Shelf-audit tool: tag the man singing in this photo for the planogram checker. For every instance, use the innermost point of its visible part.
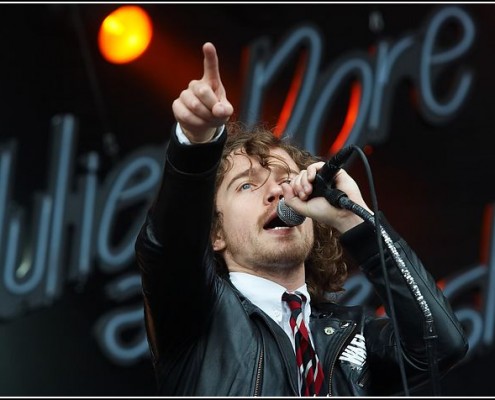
(237, 302)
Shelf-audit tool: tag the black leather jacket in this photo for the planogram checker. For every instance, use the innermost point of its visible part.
(207, 339)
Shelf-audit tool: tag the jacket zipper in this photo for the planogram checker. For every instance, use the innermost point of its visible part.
(258, 374)
(259, 367)
(259, 371)
(364, 379)
(334, 361)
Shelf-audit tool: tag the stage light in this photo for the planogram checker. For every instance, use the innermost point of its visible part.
(125, 34)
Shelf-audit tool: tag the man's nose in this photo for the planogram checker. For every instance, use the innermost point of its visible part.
(274, 192)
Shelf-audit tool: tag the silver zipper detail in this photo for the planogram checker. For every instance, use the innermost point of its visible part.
(258, 374)
(333, 364)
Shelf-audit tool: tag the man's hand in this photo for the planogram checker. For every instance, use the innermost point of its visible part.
(318, 208)
(203, 106)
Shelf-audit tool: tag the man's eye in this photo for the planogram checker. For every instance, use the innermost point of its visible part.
(245, 186)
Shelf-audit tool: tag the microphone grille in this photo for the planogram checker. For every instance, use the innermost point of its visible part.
(288, 215)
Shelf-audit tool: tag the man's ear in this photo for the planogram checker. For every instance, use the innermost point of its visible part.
(218, 241)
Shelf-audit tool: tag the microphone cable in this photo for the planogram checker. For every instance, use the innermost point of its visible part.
(340, 199)
(378, 229)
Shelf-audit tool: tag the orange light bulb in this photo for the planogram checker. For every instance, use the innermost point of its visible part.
(125, 34)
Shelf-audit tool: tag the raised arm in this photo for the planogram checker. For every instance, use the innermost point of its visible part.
(173, 248)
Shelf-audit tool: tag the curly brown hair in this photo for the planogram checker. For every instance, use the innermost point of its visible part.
(325, 268)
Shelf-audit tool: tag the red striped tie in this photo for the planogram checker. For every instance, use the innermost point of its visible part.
(311, 372)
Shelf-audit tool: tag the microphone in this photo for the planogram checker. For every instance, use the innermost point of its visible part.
(321, 187)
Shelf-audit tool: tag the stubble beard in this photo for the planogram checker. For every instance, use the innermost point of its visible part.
(272, 258)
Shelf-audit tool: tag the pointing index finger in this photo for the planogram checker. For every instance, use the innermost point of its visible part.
(210, 65)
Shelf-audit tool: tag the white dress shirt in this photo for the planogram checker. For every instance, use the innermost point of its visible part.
(267, 295)
(184, 140)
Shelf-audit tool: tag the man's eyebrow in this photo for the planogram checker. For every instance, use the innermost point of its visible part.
(253, 171)
(290, 170)
(242, 174)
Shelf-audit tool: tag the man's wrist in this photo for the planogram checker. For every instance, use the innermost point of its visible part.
(183, 139)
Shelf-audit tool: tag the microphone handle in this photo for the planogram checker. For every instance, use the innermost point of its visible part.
(323, 185)
(322, 189)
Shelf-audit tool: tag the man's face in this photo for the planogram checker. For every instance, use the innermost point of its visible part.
(252, 238)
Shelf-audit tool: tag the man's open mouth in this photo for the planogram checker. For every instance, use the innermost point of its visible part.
(275, 223)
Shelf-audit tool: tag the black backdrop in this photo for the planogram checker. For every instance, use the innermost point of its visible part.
(434, 179)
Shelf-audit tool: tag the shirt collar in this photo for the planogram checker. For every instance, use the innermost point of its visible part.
(267, 295)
